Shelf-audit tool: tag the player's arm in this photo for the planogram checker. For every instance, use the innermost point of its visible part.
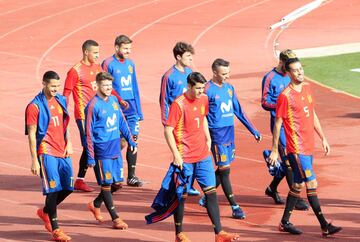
(35, 167)
(320, 132)
(207, 133)
(267, 94)
(164, 99)
(90, 115)
(275, 142)
(170, 140)
(121, 101)
(137, 95)
(125, 131)
(69, 148)
(70, 81)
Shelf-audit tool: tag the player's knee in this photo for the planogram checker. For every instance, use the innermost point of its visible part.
(299, 186)
(209, 190)
(123, 143)
(115, 187)
(224, 170)
(312, 184)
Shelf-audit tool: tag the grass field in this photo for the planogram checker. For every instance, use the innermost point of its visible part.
(334, 71)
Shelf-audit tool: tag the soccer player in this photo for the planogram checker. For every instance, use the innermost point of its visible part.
(295, 110)
(273, 83)
(187, 135)
(223, 105)
(47, 122)
(174, 83)
(104, 122)
(126, 86)
(80, 81)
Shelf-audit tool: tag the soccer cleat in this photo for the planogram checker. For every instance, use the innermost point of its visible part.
(238, 213)
(59, 235)
(135, 182)
(96, 212)
(330, 229)
(181, 237)
(193, 192)
(45, 218)
(289, 227)
(301, 205)
(226, 237)
(80, 185)
(202, 201)
(275, 195)
(119, 224)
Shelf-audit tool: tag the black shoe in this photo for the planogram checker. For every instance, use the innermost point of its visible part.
(301, 205)
(135, 182)
(289, 227)
(275, 195)
(330, 229)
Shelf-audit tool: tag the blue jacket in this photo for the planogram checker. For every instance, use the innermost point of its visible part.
(45, 115)
(169, 195)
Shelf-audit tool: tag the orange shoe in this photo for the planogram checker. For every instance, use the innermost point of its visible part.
(119, 224)
(59, 235)
(45, 218)
(226, 237)
(96, 212)
(181, 237)
(80, 185)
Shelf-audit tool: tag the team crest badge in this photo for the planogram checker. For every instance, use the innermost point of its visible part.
(223, 158)
(52, 184)
(60, 110)
(130, 69)
(115, 106)
(202, 110)
(230, 92)
(309, 97)
(108, 175)
(308, 173)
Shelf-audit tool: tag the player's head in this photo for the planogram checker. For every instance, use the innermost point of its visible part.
(294, 69)
(90, 49)
(283, 58)
(123, 46)
(221, 70)
(104, 82)
(196, 84)
(183, 53)
(51, 83)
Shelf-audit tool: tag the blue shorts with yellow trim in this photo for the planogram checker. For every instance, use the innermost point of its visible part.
(202, 171)
(302, 167)
(56, 173)
(109, 171)
(81, 126)
(223, 154)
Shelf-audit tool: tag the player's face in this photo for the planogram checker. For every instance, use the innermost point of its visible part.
(296, 72)
(186, 59)
(123, 51)
(51, 88)
(105, 87)
(196, 91)
(222, 73)
(92, 54)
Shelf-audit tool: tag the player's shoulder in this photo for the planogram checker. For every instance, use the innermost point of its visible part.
(169, 72)
(108, 61)
(286, 92)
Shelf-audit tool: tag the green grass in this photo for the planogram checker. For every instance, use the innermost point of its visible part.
(334, 71)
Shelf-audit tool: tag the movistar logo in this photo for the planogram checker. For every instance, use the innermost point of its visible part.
(125, 81)
(225, 108)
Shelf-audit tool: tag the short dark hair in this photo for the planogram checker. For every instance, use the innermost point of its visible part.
(289, 62)
(286, 54)
(101, 76)
(50, 75)
(122, 39)
(89, 43)
(181, 47)
(195, 77)
(219, 62)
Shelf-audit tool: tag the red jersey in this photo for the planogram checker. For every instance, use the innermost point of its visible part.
(297, 111)
(187, 118)
(81, 82)
(54, 141)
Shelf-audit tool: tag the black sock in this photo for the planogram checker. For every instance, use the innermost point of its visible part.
(212, 208)
(275, 183)
(108, 200)
(83, 164)
(50, 209)
(315, 205)
(217, 176)
(226, 185)
(179, 215)
(131, 161)
(62, 195)
(291, 200)
(99, 199)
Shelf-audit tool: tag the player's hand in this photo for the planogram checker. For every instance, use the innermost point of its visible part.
(69, 149)
(35, 167)
(326, 146)
(258, 138)
(178, 162)
(133, 149)
(274, 155)
(124, 104)
(208, 143)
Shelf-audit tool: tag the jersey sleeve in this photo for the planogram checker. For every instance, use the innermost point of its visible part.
(32, 114)
(174, 115)
(268, 97)
(282, 106)
(164, 99)
(137, 95)
(90, 117)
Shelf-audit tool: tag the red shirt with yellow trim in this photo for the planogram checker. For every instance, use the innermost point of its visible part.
(187, 118)
(297, 111)
(81, 82)
(54, 141)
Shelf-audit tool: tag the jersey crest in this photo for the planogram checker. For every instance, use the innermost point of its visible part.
(230, 92)
(202, 110)
(115, 106)
(131, 70)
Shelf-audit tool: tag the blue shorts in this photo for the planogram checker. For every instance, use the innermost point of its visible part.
(56, 173)
(133, 122)
(302, 167)
(109, 171)
(203, 172)
(81, 126)
(223, 154)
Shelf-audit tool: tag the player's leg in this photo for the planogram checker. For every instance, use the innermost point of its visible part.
(80, 183)
(66, 179)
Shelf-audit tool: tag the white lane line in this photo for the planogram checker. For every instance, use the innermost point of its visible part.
(24, 7)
